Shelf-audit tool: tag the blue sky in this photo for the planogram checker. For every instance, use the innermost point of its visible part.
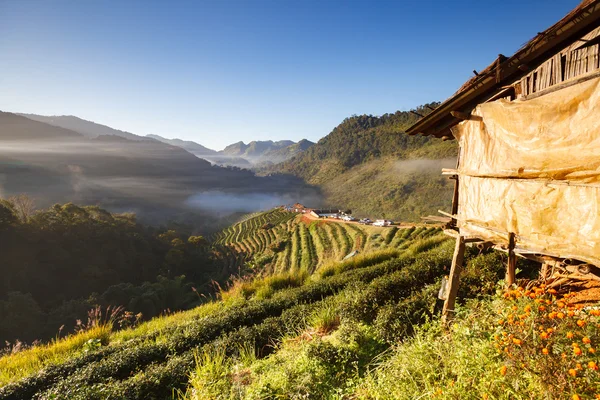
(217, 72)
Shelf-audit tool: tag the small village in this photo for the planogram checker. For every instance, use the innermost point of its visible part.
(336, 214)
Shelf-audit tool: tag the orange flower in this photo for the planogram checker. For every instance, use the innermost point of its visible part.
(593, 365)
(560, 315)
(577, 351)
(570, 335)
(592, 350)
(544, 335)
(578, 366)
(576, 397)
(560, 304)
(581, 323)
(570, 313)
(545, 351)
(542, 308)
(552, 291)
(503, 370)
(500, 322)
(552, 315)
(573, 372)
(549, 330)
(586, 340)
(518, 342)
(548, 302)
(527, 308)
(515, 308)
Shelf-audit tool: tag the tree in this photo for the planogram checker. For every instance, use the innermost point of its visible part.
(24, 207)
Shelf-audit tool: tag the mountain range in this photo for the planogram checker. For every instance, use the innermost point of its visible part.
(153, 179)
(255, 153)
(367, 164)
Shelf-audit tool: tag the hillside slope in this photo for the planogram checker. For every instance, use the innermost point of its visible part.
(364, 328)
(86, 128)
(361, 165)
(193, 147)
(278, 241)
(266, 152)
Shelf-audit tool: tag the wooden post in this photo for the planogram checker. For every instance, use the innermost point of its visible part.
(544, 271)
(457, 262)
(512, 260)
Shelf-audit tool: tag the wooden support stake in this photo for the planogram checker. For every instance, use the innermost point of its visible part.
(544, 271)
(457, 262)
(512, 260)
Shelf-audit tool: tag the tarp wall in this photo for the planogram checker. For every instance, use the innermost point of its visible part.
(533, 168)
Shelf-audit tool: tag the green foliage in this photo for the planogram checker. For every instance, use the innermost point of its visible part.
(58, 263)
(357, 166)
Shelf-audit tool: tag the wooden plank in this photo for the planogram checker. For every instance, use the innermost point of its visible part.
(564, 84)
(512, 260)
(453, 281)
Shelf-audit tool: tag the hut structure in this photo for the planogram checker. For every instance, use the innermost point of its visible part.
(527, 179)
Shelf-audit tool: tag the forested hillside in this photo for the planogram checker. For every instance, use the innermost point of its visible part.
(57, 264)
(368, 164)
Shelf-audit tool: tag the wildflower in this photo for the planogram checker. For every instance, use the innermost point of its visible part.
(503, 370)
(542, 308)
(560, 315)
(518, 342)
(560, 304)
(552, 291)
(545, 351)
(552, 315)
(577, 351)
(570, 335)
(549, 330)
(581, 323)
(527, 308)
(576, 397)
(593, 365)
(544, 335)
(586, 340)
(573, 372)
(578, 366)
(592, 350)
(570, 313)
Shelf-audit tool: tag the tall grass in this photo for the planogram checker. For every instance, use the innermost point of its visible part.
(23, 363)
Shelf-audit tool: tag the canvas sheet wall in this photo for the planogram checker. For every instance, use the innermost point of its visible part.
(533, 168)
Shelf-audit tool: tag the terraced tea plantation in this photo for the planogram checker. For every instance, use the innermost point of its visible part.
(155, 359)
(306, 325)
(279, 241)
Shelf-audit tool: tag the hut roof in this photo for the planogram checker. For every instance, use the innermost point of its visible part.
(491, 82)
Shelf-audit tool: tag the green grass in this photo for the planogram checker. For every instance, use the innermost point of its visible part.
(23, 363)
